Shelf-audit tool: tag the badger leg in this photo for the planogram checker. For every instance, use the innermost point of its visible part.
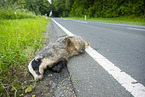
(59, 65)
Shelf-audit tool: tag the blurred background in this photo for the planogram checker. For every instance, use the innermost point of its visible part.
(79, 8)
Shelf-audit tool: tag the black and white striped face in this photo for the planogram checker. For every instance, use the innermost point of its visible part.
(34, 69)
(35, 66)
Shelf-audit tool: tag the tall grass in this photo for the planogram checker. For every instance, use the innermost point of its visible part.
(12, 13)
(19, 39)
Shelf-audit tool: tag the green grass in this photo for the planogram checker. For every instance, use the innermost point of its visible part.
(19, 40)
(119, 20)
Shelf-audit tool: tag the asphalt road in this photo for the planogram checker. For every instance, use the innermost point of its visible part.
(123, 45)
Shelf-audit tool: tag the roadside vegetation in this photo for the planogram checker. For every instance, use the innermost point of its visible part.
(112, 11)
(21, 36)
(99, 8)
(118, 20)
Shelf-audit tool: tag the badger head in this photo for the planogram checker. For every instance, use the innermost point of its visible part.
(34, 68)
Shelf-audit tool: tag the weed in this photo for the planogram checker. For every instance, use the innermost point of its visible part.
(70, 79)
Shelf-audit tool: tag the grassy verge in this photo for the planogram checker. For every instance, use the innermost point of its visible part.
(19, 39)
(119, 20)
(15, 14)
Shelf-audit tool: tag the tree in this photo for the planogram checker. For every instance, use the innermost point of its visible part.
(61, 7)
(44, 7)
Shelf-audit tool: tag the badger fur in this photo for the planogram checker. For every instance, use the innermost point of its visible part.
(55, 55)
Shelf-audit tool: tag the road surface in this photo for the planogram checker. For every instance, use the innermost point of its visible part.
(122, 45)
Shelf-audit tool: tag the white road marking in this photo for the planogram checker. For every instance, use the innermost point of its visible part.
(137, 29)
(65, 30)
(129, 83)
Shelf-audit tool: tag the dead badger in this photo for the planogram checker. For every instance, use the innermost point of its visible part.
(55, 55)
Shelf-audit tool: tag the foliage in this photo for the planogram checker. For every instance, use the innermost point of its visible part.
(13, 14)
(91, 8)
(99, 8)
(37, 6)
(61, 7)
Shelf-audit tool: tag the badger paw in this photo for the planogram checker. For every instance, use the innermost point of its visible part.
(38, 77)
